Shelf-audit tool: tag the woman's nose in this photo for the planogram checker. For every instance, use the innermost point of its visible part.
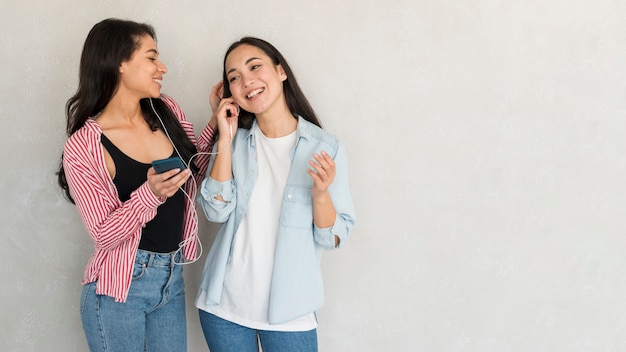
(247, 80)
(162, 67)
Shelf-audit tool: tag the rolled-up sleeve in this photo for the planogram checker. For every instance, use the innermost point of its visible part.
(217, 210)
(344, 207)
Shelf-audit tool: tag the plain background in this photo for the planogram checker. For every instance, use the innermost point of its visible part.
(486, 147)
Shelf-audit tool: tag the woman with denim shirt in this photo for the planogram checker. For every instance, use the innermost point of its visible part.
(279, 185)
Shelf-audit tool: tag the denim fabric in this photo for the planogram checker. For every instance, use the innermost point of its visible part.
(151, 319)
(297, 286)
(224, 336)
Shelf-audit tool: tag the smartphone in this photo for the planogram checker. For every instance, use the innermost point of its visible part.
(163, 165)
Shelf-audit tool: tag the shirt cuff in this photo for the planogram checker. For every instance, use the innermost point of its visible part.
(212, 188)
(325, 237)
(147, 198)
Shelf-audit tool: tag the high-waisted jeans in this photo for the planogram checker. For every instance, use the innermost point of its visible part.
(224, 336)
(151, 319)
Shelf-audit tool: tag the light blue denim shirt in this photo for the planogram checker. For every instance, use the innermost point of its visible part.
(297, 287)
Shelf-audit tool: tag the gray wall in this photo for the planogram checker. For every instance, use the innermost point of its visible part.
(486, 146)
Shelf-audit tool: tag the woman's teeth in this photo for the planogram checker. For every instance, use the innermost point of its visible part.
(254, 93)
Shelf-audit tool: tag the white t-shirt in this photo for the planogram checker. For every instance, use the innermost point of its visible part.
(245, 297)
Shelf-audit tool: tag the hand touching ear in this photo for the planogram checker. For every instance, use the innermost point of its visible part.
(214, 99)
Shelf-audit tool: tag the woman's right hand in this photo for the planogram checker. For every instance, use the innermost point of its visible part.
(166, 184)
(227, 125)
(217, 92)
(214, 99)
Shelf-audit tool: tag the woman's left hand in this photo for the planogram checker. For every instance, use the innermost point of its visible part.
(323, 173)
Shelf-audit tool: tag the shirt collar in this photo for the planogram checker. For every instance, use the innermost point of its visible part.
(303, 130)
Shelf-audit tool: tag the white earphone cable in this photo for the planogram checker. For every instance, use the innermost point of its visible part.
(194, 236)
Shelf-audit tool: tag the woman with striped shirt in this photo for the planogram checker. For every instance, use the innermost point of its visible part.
(143, 223)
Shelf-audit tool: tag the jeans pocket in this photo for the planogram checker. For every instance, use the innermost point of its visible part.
(138, 270)
(83, 296)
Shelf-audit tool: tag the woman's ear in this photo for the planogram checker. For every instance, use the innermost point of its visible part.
(122, 67)
(281, 73)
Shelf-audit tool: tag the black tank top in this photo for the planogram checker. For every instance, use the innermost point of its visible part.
(163, 233)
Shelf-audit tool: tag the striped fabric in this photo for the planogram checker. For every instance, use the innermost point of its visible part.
(115, 227)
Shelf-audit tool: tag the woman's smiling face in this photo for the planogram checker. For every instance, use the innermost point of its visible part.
(142, 75)
(256, 83)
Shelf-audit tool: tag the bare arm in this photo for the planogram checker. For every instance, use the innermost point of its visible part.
(222, 166)
(323, 174)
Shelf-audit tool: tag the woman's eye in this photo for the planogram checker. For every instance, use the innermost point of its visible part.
(254, 67)
(233, 79)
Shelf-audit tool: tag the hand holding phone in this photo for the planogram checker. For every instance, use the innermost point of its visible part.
(162, 165)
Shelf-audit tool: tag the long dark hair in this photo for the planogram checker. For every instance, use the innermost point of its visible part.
(297, 103)
(108, 44)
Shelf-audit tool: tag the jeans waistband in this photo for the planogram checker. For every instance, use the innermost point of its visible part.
(157, 259)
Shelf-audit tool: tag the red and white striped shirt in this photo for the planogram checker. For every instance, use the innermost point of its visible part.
(115, 227)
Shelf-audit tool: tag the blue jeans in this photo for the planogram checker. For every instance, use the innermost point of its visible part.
(151, 319)
(223, 336)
